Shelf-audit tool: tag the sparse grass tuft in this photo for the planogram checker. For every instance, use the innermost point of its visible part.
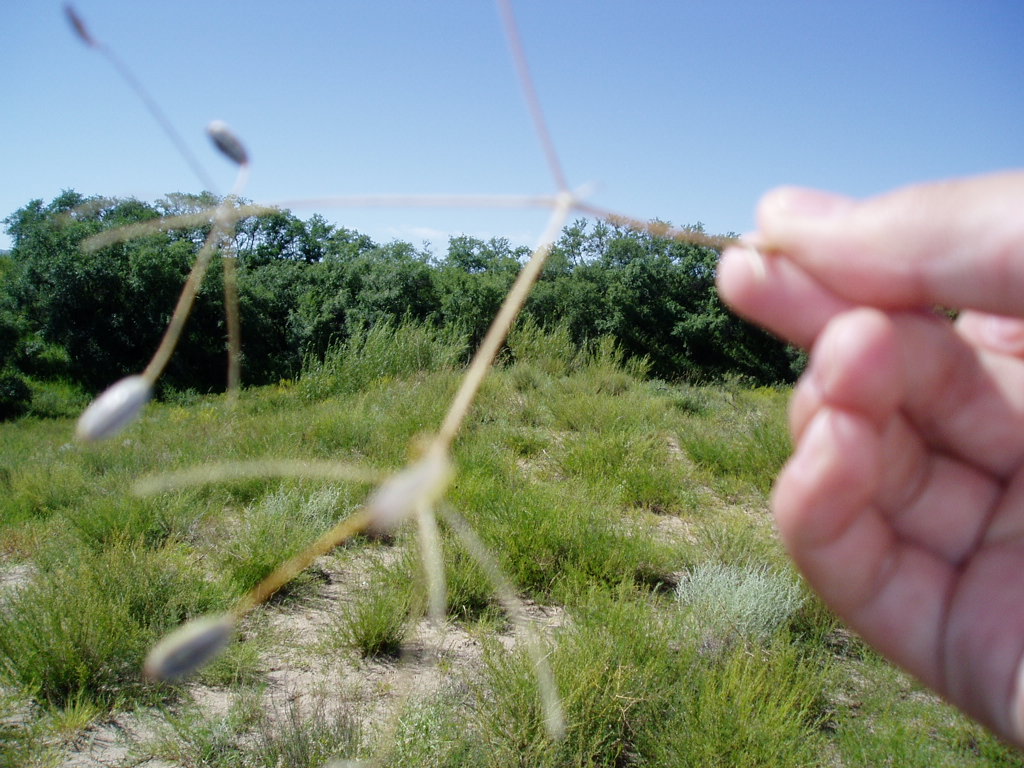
(304, 737)
(302, 734)
(430, 736)
(376, 622)
(193, 739)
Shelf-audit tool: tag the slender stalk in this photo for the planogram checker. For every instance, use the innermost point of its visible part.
(246, 470)
(658, 229)
(151, 106)
(224, 217)
(540, 125)
(502, 323)
(234, 326)
(351, 526)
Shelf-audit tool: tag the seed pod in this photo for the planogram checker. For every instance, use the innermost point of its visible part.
(227, 142)
(115, 409)
(191, 646)
(78, 25)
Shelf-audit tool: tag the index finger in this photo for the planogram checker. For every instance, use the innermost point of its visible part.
(956, 243)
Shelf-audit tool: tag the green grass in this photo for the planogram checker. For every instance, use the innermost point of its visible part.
(84, 624)
(748, 441)
(279, 525)
(635, 510)
(382, 352)
(376, 622)
(250, 734)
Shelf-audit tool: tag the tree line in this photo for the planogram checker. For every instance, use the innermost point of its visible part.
(90, 316)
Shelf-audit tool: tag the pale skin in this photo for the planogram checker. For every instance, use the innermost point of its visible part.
(903, 503)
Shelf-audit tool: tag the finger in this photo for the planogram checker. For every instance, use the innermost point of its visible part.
(985, 640)
(956, 243)
(892, 593)
(966, 402)
(855, 365)
(776, 294)
(933, 501)
(936, 501)
(996, 333)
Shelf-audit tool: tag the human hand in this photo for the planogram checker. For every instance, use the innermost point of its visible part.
(903, 503)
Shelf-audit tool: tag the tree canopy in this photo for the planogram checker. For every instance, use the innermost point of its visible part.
(92, 315)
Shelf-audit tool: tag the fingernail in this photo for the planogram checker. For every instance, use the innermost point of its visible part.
(1006, 333)
(815, 448)
(803, 203)
(754, 259)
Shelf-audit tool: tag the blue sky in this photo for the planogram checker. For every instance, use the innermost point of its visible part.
(682, 110)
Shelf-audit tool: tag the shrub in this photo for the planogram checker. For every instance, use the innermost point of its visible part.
(726, 602)
(15, 396)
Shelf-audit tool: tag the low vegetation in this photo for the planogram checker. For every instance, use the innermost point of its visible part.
(629, 513)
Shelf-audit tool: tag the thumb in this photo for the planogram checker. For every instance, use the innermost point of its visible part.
(956, 243)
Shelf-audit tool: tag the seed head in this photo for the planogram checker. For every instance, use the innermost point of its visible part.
(227, 142)
(115, 409)
(191, 646)
(421, 483)
(78, 25)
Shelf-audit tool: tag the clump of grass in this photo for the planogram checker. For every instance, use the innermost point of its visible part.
(635, 695)
(193, 739)
(430, 735)
(548, 350)
(470, 592)
(728, 602)
(281, 524)
(383, 351)
(304, 737)
(553, 540)
(83, 627)
(613, 668)
(241, 663)
(633, 464)
(101, 520)
(37, 492)
(376, 622)
(22, 739)
(735, 535)
(883, 717)
(56, 399)
(609, 370)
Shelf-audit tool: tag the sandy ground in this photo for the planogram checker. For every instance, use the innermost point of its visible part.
(299, 671)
